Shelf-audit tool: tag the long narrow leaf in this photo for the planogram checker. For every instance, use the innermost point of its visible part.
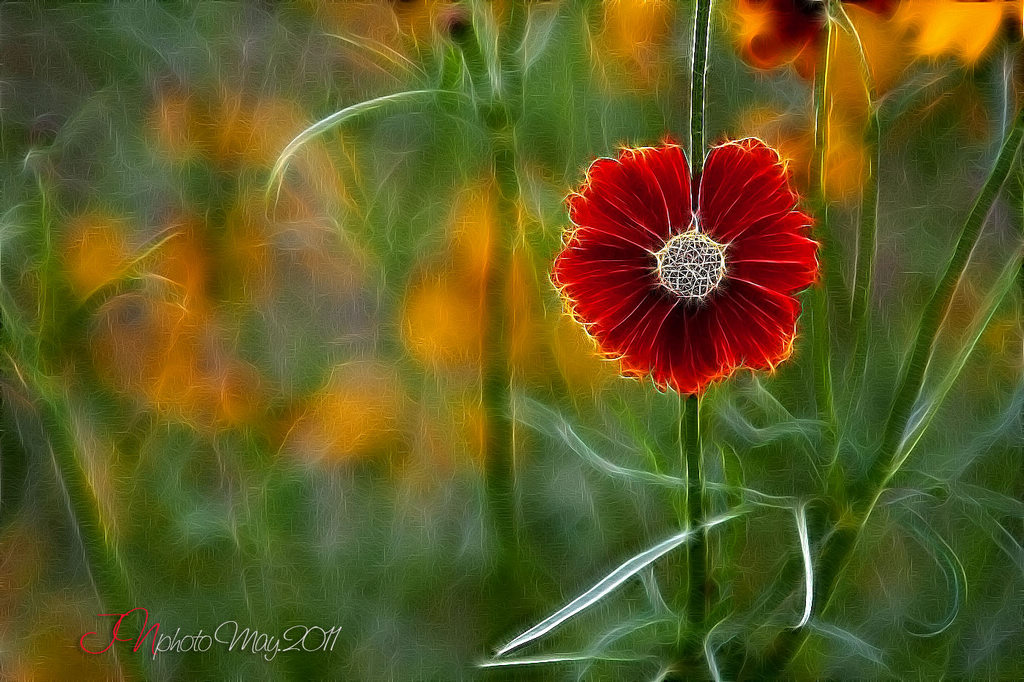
(612, 581)
(324, 124)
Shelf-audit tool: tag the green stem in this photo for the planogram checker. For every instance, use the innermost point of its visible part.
(865, 249)
(691, 510)
(54, 413)
(497, 377)
(821, 296)
(496, 373)
(699, 72)
(697, 589)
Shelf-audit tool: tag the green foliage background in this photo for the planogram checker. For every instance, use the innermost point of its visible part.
(110, 499)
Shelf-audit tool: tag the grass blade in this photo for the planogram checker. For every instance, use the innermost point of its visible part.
(338, 117)
(610, 582)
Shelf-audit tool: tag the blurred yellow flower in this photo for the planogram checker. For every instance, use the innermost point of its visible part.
(884, 44)
(385, 21)
(445, 314)
(355, 414)
(95, 253)
(443, 321)
(162, 346)
(252, 129)
(181, 124)
(443, 318)
(791, 134)
(581, 365)
(182, 260)
(149, 347)
(248, 263)
(956, 28)
(631, 47)
(232, 128)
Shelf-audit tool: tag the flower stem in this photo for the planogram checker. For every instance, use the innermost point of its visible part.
(865, 248)
(497, 379)
(496, 374)
(29, 366)
(698, 79)
(697, 555)
(822, 296)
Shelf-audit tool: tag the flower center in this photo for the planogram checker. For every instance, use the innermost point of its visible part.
(691, 264)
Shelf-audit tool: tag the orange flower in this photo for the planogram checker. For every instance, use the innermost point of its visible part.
(355, 414)
(938, 28)
(773, 33)
(182, 125)
(96, 252)
(393, 24)
(443, 318)
(631, 46)
(253, 130)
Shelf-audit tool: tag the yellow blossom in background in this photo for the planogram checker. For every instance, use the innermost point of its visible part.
(954, 28)
(148, 347)
(581, 366)
(162, 345)
(355, 414)
(445, 313)
(885, 47)
(181, 125)
(182, 259)
(631, 46)
(54, 624)
(95, 253)
(791, 134)
(383, 21)
(848, 107)
(253, 130)
(230, 128)
(443, 319)
(249, 258)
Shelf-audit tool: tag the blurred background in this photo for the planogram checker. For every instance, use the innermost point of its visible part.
(261, 397)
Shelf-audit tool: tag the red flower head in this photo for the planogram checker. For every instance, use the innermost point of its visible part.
(688, 296)
(777, 32)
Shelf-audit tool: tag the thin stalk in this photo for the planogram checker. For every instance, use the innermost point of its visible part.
(496, 373)
(866, 236)
(820, 296)
(698, 80)
(868, 219)
(32, 371)
(497, 376)
(689, 646)
(697, 554)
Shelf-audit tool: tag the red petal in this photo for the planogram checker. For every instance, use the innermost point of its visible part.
(599, 274)
(743, 183)
(639, 197)
(689, 354)
(758, 324)
(776, 255)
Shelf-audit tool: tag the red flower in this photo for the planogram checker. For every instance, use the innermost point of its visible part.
(688, 296)
(777, 32)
